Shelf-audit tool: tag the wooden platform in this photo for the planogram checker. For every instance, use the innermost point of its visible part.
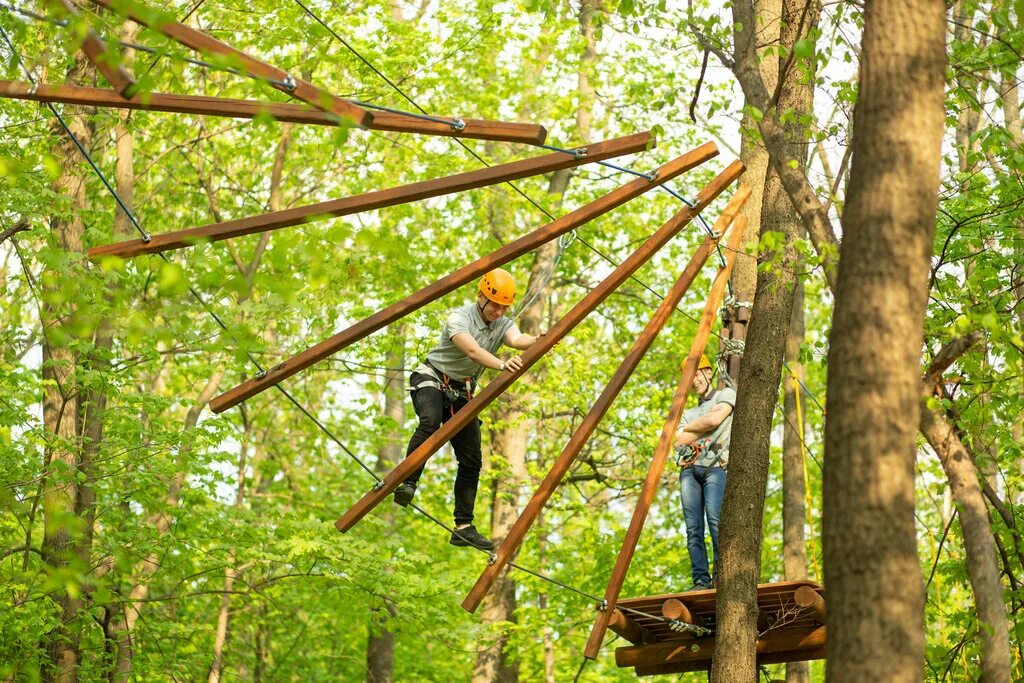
(791, 618)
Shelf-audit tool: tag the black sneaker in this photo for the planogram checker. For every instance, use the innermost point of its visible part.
(699, 586)
(469, 536)
(404, 493)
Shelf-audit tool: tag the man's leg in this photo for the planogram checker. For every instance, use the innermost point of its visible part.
(692, 495)
(714, 492)
(429, 405)
(469, 455)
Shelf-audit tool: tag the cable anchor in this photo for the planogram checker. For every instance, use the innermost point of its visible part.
(378, 485)
(602, 606)
(492, 558)
(458, 124)
(289, 82)
(579, 153)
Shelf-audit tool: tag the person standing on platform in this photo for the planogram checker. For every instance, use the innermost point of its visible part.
(702, 446)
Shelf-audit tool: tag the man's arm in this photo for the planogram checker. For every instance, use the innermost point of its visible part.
(697, 427)
(519, 340)
(465, 342)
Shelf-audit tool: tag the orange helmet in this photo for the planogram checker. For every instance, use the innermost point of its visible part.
(499, 287)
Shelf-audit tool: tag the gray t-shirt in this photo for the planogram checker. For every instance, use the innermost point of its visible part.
(449, 359)
(720, 437)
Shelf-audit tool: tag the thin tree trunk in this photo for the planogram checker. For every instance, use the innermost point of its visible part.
(492, 664)
(760, 373)
(876, 596)
(380, 649)
(62, 547)
(794, 510)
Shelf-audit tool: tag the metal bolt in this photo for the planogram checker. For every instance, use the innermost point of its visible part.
(458, 124)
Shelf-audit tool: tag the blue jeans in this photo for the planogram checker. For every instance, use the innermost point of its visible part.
(702, 490)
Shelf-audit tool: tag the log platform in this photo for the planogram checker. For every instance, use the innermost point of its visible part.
(790, 628)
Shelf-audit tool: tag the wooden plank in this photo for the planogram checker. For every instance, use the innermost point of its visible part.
(379, 199)
(418, 457)
(206, 44)
(667, 438)
(762, 659)
(466, 274)
(582, 434)
(703, 649)
(527, 133)
(96, 50)
(654, 602)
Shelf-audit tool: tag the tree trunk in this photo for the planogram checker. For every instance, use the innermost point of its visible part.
(755, 159)
(760, 373)
(876, 597)
(380, 648)
(794, 510)
(492, 665)
(982, 563)
(64, 544)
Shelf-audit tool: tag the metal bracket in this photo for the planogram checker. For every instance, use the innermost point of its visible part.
(458, 124)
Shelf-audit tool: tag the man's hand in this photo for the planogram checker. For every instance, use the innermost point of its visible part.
(514, 364)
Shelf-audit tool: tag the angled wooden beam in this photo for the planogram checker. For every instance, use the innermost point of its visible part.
(498, 386)
(478, 129)
(628, 629)
(379, 199)
(467, 273)
(206, 44)
(665, 442)
(96, 50)
(796, 641)
(510, 546)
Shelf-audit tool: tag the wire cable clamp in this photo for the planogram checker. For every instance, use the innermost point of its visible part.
(579, 153)
(458, 124)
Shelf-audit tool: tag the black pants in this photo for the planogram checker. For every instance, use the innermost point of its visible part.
(434, 409)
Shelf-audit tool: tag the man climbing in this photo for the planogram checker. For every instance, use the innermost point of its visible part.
(445, 382)
(702, 445)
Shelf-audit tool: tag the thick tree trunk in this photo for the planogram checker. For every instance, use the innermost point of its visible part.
(794, 510)
(63, 547)
(760, 373)
(876, 597)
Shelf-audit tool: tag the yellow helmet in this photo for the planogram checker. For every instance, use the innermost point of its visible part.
(499, 287)
(704, 363)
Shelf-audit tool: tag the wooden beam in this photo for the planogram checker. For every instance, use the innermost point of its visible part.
(667, 439)
(418, 457)
(206, 44)
(379, 199)
(628, 629)
(96, 50)
(764, 659)
(583, 432)
(478, 129)
(467, 273)
(703, 649)
(808, 598)
(676, 609)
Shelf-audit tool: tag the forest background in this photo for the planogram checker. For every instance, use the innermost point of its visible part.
(202, 546)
